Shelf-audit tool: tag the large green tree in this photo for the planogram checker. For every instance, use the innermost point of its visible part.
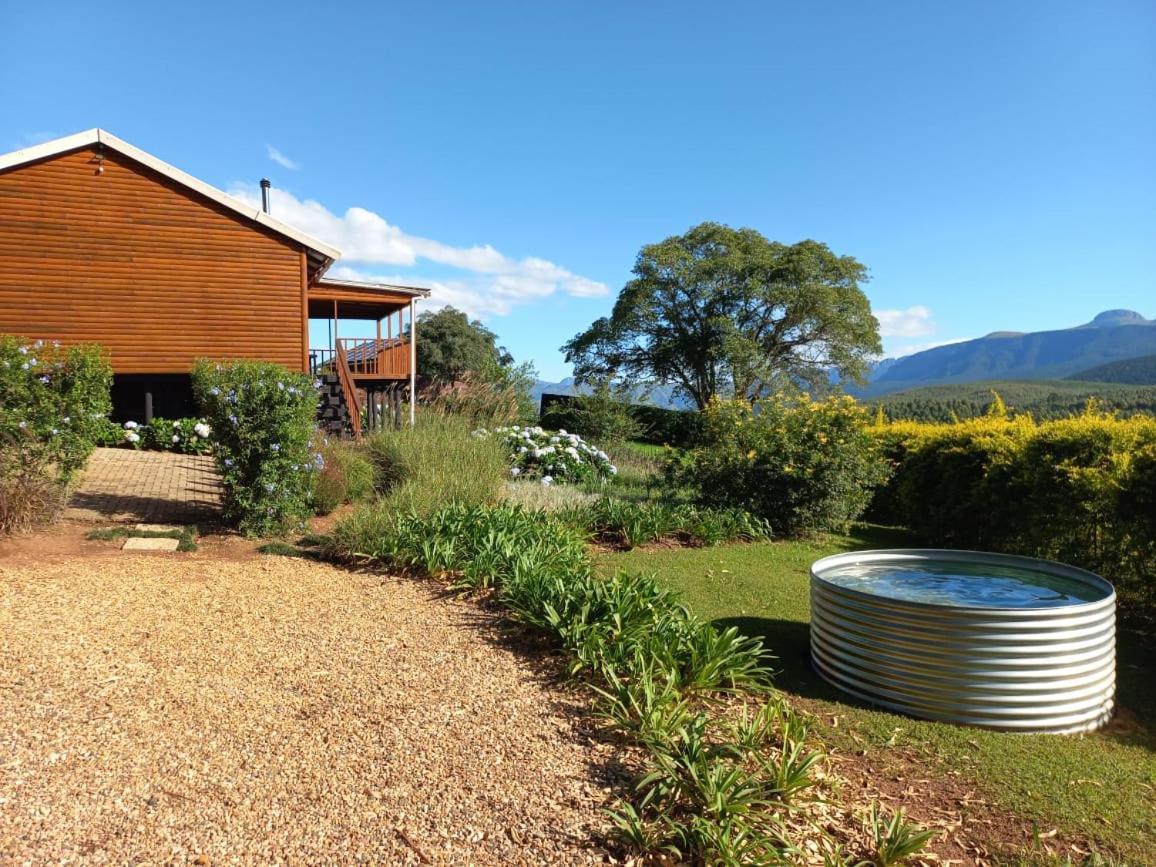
(452, 349)
(450, 346)
(722, 311)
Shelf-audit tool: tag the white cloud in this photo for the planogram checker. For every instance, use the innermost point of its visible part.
(280, 158)
(915, 321)
(491, 283)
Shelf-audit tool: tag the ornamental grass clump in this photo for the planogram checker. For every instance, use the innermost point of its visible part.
(550, 457)
(263, 417)
(346, 474)
(423, 467)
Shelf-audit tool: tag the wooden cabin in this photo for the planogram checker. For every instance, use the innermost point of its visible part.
(103, 243)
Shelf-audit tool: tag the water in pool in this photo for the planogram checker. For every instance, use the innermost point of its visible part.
(945, 582)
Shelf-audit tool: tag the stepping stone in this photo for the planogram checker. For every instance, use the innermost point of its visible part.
(161, 528)
(152, 544)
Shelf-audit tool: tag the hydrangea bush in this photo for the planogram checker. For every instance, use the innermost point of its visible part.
(263, 418)
(186, 436)
(54, 400)
(552, 458)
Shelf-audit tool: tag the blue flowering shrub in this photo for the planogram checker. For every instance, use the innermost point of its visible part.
(550, 457)
(262, 418)
(54, 401)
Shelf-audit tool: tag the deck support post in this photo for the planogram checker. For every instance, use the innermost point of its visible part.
(412, 363)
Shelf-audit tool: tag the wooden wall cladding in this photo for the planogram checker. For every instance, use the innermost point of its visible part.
(134, 261)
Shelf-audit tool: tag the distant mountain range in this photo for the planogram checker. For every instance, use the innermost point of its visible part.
(1115, 335)
(1110, 348)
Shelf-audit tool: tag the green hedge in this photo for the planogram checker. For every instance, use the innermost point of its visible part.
(1080, 490)
(590, 417)
(263, 418)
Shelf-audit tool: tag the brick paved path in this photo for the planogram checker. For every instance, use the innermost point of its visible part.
(155, 487)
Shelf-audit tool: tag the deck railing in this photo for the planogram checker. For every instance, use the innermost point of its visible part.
(321, 361)
(376, 358)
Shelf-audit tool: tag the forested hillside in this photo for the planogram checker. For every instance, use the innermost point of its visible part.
(1043, 398)
(1130, 371)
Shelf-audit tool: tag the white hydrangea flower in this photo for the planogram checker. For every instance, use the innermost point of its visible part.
(547, 481)
(132, 437)
(131, 425)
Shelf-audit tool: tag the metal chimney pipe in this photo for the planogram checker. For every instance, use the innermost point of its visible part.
(265, 185)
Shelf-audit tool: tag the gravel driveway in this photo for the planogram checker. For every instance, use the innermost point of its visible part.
(181, 708)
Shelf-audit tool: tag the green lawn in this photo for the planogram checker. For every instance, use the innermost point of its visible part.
(1100, 786)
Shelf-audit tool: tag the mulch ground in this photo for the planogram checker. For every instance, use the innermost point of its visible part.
(200, 708)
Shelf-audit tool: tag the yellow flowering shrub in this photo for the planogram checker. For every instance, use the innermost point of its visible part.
(1081, 489)
(802, 465)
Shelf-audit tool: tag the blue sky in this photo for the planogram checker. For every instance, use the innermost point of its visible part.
(993, 164)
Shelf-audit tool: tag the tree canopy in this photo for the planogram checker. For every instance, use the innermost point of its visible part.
(723, 311)
(461, 361)
(450, 346)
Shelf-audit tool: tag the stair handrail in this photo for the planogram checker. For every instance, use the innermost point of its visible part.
(351, 401)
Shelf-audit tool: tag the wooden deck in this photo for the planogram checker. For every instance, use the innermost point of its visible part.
(368, 368)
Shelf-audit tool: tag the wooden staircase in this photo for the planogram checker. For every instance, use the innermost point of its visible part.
(360, 374)
(352, 403)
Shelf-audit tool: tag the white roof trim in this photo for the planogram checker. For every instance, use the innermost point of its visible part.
(384, 287)
(100, 136)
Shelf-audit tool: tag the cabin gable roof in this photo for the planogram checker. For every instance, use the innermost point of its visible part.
(320, 254)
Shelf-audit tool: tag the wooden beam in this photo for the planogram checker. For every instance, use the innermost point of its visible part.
(304, 311)
(412, 364)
